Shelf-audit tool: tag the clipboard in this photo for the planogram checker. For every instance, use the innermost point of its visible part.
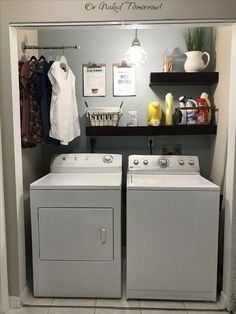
(94, 80)
(124, 80)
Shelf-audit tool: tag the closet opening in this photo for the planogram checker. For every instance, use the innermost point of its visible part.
(107, 44)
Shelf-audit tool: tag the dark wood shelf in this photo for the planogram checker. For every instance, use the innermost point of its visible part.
(149, 130)
(183, 78)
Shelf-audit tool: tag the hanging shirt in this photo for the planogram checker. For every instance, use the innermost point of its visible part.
(35, 125)
(44, 92)
(64, 116)
(24, 70)
(31, 130)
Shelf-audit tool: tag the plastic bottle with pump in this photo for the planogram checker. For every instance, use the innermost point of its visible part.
(205, 96)
(154, 113)
(169, 108)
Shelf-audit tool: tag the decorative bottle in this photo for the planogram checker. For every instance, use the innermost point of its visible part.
(169, 108)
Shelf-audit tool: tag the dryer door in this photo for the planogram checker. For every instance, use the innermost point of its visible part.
(75, 234)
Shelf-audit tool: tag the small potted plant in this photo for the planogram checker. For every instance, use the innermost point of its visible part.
(195, 42)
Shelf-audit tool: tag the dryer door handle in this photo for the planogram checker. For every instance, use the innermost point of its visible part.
(102, 234)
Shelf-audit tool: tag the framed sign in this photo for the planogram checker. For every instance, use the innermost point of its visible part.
(94, 80)
(124, 79)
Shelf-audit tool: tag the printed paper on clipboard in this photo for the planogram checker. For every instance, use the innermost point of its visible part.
(94, 79)
(124, 79)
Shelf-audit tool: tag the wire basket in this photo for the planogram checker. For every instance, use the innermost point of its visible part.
(104, 116)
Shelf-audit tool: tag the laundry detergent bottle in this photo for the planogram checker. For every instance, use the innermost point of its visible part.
(202, 114)
(205, 96)
(169, 108)
(154, 113)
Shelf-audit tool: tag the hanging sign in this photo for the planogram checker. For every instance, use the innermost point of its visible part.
(123, 79)
(94, 80)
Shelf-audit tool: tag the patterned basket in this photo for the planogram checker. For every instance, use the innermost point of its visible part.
(104, 116)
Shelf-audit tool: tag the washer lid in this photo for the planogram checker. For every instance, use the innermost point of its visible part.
(169, 182)
(73, 181)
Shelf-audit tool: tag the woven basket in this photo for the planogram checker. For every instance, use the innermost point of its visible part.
(104, 116)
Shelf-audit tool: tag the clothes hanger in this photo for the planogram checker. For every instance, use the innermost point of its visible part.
(50, 58)
(63, 62)
(32, 58)
(42, 56)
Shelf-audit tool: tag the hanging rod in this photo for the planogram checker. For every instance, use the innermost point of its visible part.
(24, 47)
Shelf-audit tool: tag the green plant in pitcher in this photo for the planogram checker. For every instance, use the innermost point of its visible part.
(195, 38)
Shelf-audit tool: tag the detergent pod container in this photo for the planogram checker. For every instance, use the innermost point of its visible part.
(168, 109)
(154, 113)
(191, 112)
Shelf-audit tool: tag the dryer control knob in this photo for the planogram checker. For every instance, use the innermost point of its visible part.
(191, 162)
(145, 162)
(64, 158)
(163, 162)
(181, 162)
(107, 158)
(136, 162)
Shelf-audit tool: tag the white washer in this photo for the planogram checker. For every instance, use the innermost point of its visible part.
(172, 229)
(76, 227)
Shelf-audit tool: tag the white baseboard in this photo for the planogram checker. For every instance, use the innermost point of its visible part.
(15, 302)
(223, 299)
(24, 295)
(229, 305)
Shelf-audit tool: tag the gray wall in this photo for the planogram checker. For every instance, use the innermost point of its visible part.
(109, 46)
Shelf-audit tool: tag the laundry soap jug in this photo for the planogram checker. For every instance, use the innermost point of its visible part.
(169, 108)
(202, 114)
(205, 96)
(154, 113)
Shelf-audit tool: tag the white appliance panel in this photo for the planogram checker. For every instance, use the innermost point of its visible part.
(171, 182)
(172, 244)
(76, 227)
(89, 163)
(97, 181)
(75, 234)
(172, 229)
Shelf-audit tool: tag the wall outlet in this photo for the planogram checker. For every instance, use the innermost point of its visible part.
(171, 149)
(150, 140)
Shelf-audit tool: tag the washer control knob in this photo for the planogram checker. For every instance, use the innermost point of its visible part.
(181, 162)
(191, 162)
(64, 158)
(136, 162)
(107, 158)
(75, 158)
(145, 162)
(163, 162)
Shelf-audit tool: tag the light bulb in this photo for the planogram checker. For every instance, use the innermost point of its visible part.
(136, 54)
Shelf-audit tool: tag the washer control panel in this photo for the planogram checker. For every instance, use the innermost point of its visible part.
(86, 163)
(164, 164)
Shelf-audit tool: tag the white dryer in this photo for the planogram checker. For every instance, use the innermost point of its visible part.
(172, 229)
(76, 227)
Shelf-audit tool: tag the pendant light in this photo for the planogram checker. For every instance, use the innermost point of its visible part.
(136, 54)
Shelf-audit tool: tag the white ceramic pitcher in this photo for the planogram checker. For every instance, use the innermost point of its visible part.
(194, 62)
